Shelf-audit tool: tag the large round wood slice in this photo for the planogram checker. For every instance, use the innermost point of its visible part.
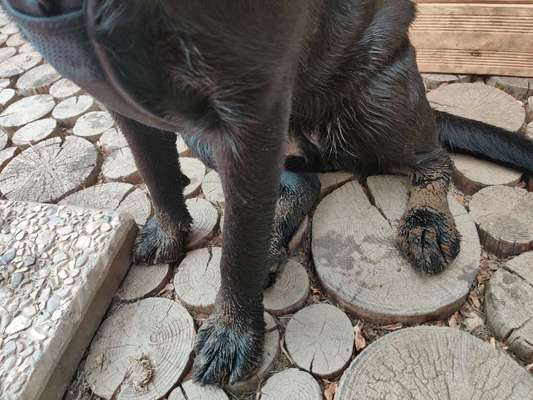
(193, 391)
(519, 88)
(472, 174)
(64, 88)
(26, 110)
(480, 102)
(6, 53)
(7, 96)
(320, 339)
(141, 351)
(3, 139)
(290, 290)
(112, 140)
(332, 180)
(49, 170)
(16, 39)
(433, 363)
(504, 216)
(19, 64)
(6, 155)
(212, 188)
(143, 281)
(358, 262)
(271, 348)
(120, 166)
(291, 384)
(205, 218)
(69, 110)
(433, 81)
(37, 80)
(34, 132)
(197, 279)
(509, 305)
(138, 205)
(194, 169)
(93, 124)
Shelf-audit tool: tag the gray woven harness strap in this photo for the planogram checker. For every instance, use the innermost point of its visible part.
(68, 43)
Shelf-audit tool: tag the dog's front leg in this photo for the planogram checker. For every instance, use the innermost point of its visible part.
(249, 158)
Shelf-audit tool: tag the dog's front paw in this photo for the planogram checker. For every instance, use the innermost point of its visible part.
(429, 239)
(155, 245)
(228, 351)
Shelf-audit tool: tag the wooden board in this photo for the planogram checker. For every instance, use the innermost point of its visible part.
(474, 38)
(433, 363)
(358, 262)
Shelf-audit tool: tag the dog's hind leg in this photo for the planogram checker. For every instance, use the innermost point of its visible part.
(427, 232)
(163, 238)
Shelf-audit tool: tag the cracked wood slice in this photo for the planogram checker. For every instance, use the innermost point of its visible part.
(205, 218)
(141, 350)
(193, 391)
(194, 169)
(520, 88)
(330, 181)
(120, 166)
(143, 281)
(429, 362)
(197, 279)
(10, 29)
(290, 290)
(509, 305)
(119, 196)
(480, 102)
(271, 348)
(34, 132)
(291, 384)
(64, 88)
(358, 262)
(16, 39)
(26, 110)
(6, 53)
(37, 80)
(212, 188)
(7, 96)
(504, 216)
(320, 339)
(26, 48)
(93, 124)
(112, 140)
(473, 174)
(49, 171)
(69, 110)
(19, 64)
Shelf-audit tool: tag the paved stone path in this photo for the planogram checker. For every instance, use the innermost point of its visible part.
(42, 115)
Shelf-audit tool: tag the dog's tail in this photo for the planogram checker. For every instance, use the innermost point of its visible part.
(467, 136)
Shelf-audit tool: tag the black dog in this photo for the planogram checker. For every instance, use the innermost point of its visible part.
(240, 78)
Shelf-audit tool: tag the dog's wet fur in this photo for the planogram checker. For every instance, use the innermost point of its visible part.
(242, 78)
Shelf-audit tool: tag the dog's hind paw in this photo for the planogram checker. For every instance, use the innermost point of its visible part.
(429, 239)
(155, 246)
(227, 351)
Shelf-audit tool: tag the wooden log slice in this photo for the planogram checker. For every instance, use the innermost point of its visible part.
(34, 132)
(3, 36)
(143, 281)
(69, 110)
(10, 29)
(480, 102)
(354, 246)
(64, 88)
(197, 279)
(529, 109)
(193, 391)
(25, 111)
(120, 166)
(271, 348)
(509, 305)
(291, 384)
(37, 80)
(212, 188)
(473, 174)
(330, 181)
(26, 48)
(93, 124)
(141, 350)
(49, 171)
(112, 140)
(3, 139)
(433, 81)
(16, 39)
(397, 367)
(6, 155)
(7, 96)
(5, 83)
(138, 205)
(290, 290)
(519, 88)
(6, 53)
(320, 339)
(194, 169)
(205, 218)
(19, 64)
(504, 216)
